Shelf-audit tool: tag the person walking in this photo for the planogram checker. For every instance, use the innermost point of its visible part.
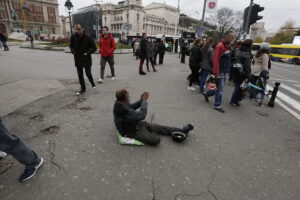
(107, 46)
(184, 48)
(143, 53)
(3, 39)
(221, 66)
(194, 62)
(260, 63)
(156, 44)
(161, 52)
(241, 70)
(150, 55)
(137, 48)
(31, 41)
(206, 64)
(129, 120)
(13, 145)
(82, 46)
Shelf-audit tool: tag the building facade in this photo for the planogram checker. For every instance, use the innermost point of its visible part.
(30, 15)
(131, 18)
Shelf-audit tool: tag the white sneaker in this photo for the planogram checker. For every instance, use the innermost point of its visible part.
(113, 78)
(191, 88)
(100, 80)
(2, 155)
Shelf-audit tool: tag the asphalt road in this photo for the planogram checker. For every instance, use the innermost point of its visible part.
(289, 92)
(247, 153)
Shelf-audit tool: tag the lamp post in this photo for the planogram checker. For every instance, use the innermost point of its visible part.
(69, 9)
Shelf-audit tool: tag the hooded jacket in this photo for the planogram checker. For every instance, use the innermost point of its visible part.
(127, 117)
(107, 45)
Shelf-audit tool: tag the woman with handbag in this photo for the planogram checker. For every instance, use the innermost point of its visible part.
(194, 62)
(207, 63)
(241, 70)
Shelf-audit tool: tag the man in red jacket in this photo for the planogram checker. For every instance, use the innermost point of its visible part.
(221, 66)
(107, 46)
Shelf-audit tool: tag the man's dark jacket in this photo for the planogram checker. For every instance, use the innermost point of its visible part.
(195, 58)
(81, 45)
(143, 49)
(127, 117)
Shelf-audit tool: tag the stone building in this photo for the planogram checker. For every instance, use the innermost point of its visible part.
(131, 18)
(30, 15)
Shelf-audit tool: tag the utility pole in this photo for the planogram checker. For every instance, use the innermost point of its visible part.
(248, 19)
(176, 26)
(203, 13)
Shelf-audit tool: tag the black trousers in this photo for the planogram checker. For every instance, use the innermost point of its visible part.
(183, 57)
(152, 63)
(194, 75)
(88, 72)
(147, 133)
(161, 58)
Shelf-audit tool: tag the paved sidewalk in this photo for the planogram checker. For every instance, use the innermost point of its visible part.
(247, 153)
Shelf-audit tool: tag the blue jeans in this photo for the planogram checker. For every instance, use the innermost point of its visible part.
(14, 146)
(219, 92)
(203, 75)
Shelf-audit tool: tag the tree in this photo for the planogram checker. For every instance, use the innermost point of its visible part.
(226, 19)
(258, 40)
(285, 34)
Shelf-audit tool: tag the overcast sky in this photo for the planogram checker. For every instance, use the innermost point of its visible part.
(276, 12)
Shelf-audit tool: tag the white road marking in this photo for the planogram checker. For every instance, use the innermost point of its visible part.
(292, 102)
(296, 85)
(295, 114)
(290, 89)
(285, 80)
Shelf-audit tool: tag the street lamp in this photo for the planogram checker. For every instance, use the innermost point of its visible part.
(69, 9)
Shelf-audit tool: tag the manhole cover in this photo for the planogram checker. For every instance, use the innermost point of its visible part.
(50, 130)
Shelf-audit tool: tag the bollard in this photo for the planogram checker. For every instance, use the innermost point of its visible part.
(274, 93)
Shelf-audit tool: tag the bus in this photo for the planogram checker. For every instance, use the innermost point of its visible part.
(287, 53)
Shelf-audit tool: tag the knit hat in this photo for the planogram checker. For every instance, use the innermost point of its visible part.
(265, 45)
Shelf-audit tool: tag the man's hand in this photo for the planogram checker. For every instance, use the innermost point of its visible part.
(144, 96)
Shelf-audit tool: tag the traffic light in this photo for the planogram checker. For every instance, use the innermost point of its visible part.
(253, 15)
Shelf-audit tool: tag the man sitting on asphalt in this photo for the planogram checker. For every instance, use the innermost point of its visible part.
(128, 120)
(14, 146)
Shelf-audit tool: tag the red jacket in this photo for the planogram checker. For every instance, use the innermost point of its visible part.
(219, 51)
(107, 45)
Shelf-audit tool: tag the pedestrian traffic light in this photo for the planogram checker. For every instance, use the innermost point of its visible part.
(254, 14)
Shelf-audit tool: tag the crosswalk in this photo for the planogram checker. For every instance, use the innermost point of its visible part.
(288, 96)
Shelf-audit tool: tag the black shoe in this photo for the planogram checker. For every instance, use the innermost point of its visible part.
(80, 92)
(205, 97)
(142, 73)
(186, 129)
(29, 173)
(220, 110)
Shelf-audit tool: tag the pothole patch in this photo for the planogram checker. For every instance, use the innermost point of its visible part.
(261, 113)
(85, 108)
(38, 117)
(51, 130)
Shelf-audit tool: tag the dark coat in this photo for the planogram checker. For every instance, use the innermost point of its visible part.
(161, 48)
(127, 118)
(143, 49)
(244, 56)
(79, 47)
(195, 57)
